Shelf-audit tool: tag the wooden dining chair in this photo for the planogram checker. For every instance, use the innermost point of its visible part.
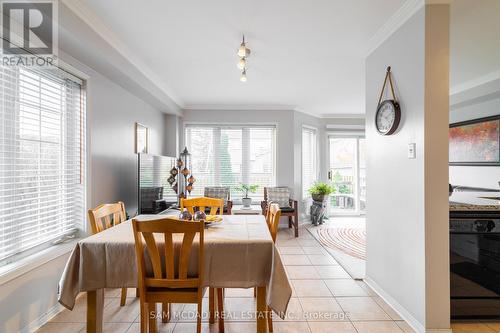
(273, 219)
(273, 214)
(167, 283)
(216, 206)
(106, 216)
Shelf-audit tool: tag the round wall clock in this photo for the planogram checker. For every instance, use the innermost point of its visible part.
(387, 117)
(388, 112)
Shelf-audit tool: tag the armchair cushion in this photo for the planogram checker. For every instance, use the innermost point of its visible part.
(280, 195)
(287, 209)
(218, 192)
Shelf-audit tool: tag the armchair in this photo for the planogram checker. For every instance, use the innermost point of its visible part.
(288, 206)
(220, 192)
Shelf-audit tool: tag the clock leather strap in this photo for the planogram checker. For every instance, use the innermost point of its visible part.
(387, 76)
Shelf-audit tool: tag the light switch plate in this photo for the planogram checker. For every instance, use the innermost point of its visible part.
(411, 151)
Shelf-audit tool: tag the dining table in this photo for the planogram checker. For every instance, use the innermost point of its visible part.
(239, 253)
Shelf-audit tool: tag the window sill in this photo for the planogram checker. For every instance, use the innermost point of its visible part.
(14, 270)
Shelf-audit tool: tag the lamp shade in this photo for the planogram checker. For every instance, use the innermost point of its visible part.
(243, 51)
(242, 64)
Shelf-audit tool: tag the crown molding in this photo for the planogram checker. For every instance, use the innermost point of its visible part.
(240, 107)
(89, 17)
(474, 83)
(343, 115)
(407, 10)
(345, 127)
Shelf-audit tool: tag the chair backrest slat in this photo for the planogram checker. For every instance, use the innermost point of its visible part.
(184, 254)
(154, 254)
(201, 203)
(169, 256)
(168, 227)
(105, 216)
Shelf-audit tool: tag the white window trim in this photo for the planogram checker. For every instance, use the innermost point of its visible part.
(49, 252)
(305, 198)
(29, 263)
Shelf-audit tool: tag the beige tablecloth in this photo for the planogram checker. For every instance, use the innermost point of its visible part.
(239, 253)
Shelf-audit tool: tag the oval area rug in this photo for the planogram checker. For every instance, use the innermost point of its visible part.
(351, 241)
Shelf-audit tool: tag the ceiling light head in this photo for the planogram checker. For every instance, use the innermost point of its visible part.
(243, 77)
(242, 64)
(243, 51)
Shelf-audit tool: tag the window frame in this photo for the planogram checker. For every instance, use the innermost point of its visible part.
(17, 264)
(315, 151)
(237, 199)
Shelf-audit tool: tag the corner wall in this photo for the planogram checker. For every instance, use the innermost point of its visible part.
(407, 203)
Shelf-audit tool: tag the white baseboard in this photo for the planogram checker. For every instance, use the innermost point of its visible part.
(416, 325)
(43, 319)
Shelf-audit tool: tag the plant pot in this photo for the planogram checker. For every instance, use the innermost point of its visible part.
(319, 197)
(247, 202)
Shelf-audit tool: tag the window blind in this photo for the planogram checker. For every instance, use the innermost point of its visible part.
(309, 160)
(42, 126)
(230, 155)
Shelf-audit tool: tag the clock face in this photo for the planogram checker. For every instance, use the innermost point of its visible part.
(387, 117)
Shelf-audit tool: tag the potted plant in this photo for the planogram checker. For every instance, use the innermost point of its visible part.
(247, 188)
(320, 191)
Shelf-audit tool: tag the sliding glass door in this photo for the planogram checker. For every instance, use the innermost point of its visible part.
(347, 174)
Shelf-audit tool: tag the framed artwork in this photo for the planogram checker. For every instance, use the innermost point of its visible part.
(475, 142)
(141, 139)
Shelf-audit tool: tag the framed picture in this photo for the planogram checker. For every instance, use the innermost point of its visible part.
(475, 142)
(141, 139)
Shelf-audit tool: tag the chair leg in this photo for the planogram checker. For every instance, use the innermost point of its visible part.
(123, 297)
(220, 308)
(211, 305)
(152, 317)
(144, 317)
(165, 312)
(137, 292)
(289, 222)
(296, 222)
(198, 315)
(254, 292)
(269, 320)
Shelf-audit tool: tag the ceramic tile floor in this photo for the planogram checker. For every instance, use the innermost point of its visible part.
(325, 299)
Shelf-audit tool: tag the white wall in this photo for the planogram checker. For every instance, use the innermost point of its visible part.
(112, 112)
(400, 214)
(475, 176)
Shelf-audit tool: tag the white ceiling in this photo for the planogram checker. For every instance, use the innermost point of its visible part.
(306, 55)
(474, 42)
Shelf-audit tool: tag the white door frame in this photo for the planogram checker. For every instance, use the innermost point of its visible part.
(348, 135)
